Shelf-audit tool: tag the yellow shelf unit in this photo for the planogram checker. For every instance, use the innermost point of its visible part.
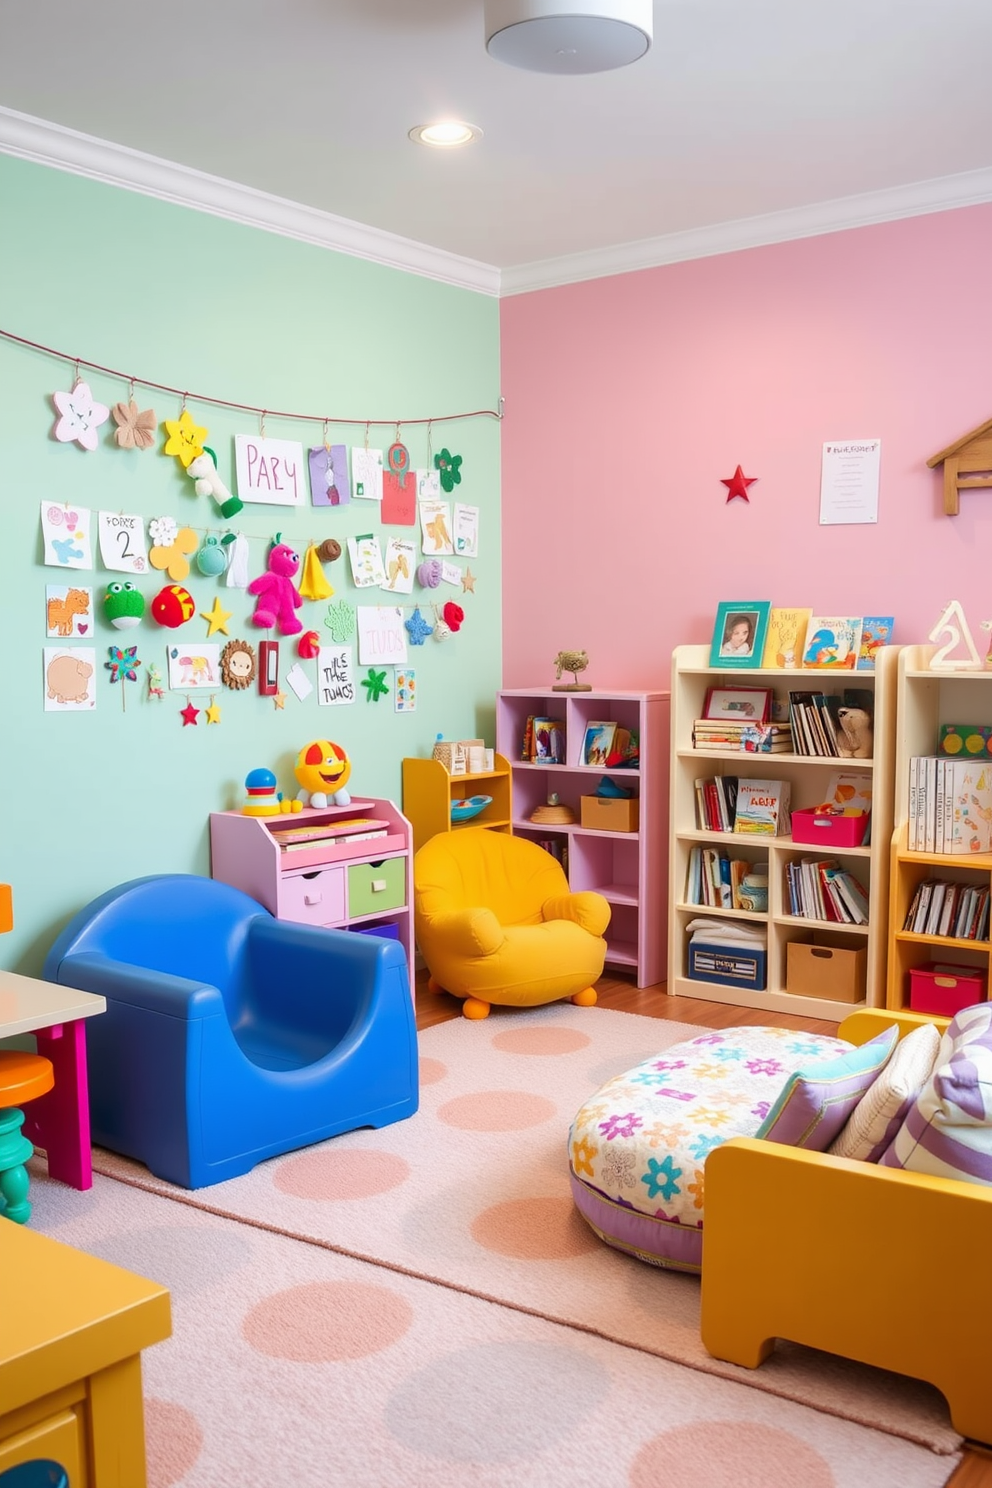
(429, 792)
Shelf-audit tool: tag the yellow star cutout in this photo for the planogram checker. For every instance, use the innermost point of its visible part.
(279, 698)
(213, 712)
(468, 581)
(216, 617)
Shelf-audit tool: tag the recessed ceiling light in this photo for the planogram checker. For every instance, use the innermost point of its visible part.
(446, 135)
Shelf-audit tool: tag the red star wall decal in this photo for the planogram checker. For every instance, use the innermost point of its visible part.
(738, 483)
(189, 715)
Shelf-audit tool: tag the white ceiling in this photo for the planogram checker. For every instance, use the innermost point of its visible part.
(742, 110)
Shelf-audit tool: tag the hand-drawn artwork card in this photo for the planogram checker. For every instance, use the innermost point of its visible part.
(68, 611)
(195, 664)
(366, 560)
(270, 471)
(399, 502)
(329, 475)
(335, 676)
(297, 679)
(435, 527)
(66, 532)
(405, 690)
(69, 682)
(122, 542)
(451, 574)
(366, 474)
(401, 561)
(381, 636)
(466, 530)
(428, 485)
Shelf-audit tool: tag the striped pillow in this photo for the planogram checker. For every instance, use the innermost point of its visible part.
(879, 1113)
(948, 1129)
(812, 1108)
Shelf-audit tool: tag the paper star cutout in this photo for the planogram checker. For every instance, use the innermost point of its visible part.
(468, 581)
(80, 415)
(737, 484)
(186, 439)
(417, 628)
(376, 684)
(279, 698)
(216, 617)
(189, 715)
(213, 712)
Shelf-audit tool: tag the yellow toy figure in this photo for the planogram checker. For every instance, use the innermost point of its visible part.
(323, 770)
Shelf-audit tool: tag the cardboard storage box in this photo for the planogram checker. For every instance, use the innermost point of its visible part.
(945, 989)
(737, 966)
(817, 969)
(823, 830)
(610, 813)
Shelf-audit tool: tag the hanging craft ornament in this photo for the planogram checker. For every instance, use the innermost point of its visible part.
(135, 429)
(279, 699)
(398, 459)
(329, 550)
(375, 682)
(80, 415)
(429, 573)
(188, 714)
(737, 484)
(216, 617)
(186, 439)
(468, 582)
(340, 621)
(123, 606)
(171, 547)
(450, 467)
(211, 560)
(441, 629)
(238, 665)
(417, 628)
(203, 470)
(308, 646)
(212, 714)
(155, 688)
(123, 665)
(313, 584)
(173, 606)
(454, 615)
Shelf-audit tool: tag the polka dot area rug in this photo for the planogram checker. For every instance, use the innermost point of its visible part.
(464, 1205)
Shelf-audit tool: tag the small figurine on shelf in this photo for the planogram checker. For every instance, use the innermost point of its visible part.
(323, 770)
(262, 798)
(574, 662)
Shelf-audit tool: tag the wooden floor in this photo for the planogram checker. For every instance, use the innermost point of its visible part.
(620, 993)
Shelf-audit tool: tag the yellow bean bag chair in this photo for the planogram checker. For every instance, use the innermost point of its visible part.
(495, 922)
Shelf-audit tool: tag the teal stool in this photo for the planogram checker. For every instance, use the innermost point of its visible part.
(23, 1077)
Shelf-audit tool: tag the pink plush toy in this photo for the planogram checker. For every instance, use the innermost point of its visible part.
(278, 596)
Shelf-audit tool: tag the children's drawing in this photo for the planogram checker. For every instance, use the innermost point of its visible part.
(66, 533)
(428, 485)
(122, 542)
(68, 611)
(381, 636)
(329, 475)
(451, 574)
(405, 690)
(194, 666)
(435, 526)
(399, 500)
(69, 684)
(366, 560)
(466, 530)
(335, 677)
(401, 560)
(269, 470)
(366, 474)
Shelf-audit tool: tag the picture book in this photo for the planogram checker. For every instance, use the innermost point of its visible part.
(848, 794)
(963, 740)
(762, 807)
(832, 642)
(549, 741)
(598, 743)
(876, 631)
(786, 638)
(967, 806)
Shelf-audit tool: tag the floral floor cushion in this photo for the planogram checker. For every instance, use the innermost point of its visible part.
(637, 1147)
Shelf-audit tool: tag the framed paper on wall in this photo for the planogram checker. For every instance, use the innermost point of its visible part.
(739, 704)
(739, 633)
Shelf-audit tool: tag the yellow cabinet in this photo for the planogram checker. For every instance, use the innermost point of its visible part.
(429, 793)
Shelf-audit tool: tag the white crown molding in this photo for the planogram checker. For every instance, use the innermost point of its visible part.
(49, 144)
(943, 194)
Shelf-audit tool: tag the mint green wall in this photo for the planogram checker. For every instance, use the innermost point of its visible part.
(193, 301)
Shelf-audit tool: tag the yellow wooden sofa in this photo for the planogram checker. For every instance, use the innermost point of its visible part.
(887, 1267)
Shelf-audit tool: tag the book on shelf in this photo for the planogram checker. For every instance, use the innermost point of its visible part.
(876, 632)
(954, 910)
(762, 807)
(785, 638)
(719, 736)
(965, 740)
(820, 889)
(335, 841)
(949, 809)
(848, 793)
(356, 827)
(547, 741)
(716, 801)
(714, 878)
(832, 642)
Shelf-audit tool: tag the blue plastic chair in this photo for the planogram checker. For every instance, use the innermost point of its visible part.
(231, 1036)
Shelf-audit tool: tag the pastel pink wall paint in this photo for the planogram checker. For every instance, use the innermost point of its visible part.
(628, 398)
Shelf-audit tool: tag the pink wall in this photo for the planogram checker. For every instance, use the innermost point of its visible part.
(627, 399)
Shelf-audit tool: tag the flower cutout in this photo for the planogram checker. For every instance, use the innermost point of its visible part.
(80, 416)
(449, 466)
(163, 531)
(186, 440)
(376, 684)
(134, 430)
(172, 556)
(123, 663)
(340, 621)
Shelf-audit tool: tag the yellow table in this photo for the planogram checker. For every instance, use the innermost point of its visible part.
(72, 1328)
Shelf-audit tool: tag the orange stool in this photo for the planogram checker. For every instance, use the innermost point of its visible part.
(23, 1077)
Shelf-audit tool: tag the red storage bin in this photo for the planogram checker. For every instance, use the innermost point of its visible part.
(822, 830)
(945, 989)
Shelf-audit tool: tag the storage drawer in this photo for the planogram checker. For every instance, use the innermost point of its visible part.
(738, 966)
(316, 896)
(374, 887)
(945, 989)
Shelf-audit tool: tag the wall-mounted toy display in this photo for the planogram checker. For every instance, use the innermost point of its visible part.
(276, 596)
(238, 665)
(123, 606)
(323, 770)
(173, 606)
(203, 470)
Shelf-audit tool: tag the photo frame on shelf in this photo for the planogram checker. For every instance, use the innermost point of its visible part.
(597, 743)
(739, 633)
(738, 704)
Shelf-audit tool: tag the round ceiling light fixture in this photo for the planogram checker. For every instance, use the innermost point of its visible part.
(568, 36)
(447, 135)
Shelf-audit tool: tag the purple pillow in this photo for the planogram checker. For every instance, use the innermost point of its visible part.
(812, 1108)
